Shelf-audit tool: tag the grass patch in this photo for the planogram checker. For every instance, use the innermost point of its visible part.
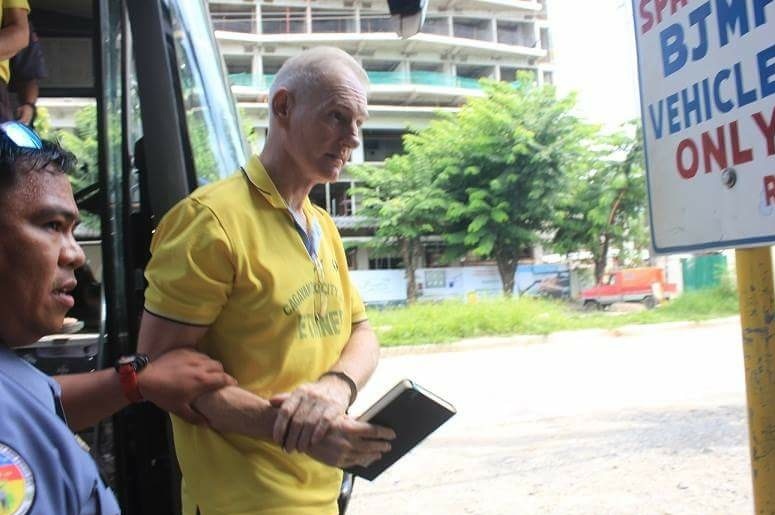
(453, 320)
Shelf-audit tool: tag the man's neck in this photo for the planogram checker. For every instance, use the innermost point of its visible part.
(286, 178)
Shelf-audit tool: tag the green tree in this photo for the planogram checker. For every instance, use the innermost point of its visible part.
(82, 142)
(502, 162)
(400, 200)
(606, 203)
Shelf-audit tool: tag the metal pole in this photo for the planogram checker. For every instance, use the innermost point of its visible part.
(757, 317)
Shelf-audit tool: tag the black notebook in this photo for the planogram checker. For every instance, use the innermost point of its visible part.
(413, 413)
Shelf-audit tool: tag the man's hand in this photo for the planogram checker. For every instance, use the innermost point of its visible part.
(306, 413)
(24, 113)
(349, 442)
(174, 380)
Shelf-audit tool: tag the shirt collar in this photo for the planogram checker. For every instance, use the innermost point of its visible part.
(28, 377)
(259, 178)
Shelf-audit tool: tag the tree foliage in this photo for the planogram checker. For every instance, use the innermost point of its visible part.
(606, 202)
(401, 200)
(501, 163)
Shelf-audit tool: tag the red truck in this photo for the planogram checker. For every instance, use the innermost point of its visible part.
(646, 285)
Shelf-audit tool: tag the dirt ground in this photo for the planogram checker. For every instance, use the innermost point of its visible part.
(644, 420)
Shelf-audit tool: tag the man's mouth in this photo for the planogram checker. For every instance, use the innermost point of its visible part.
(62, 293)
(342, 160)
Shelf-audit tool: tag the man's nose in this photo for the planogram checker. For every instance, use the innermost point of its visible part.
(72, 255)
(351, 138)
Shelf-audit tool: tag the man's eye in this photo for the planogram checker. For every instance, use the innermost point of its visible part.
(339, 117)
(54, 226)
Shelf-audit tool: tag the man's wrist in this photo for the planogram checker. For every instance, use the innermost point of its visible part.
(345, 379)
(128, 369)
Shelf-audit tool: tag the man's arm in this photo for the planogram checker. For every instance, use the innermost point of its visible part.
(230, 409)
(15, 32)
(171, 382)
(306, 414)
(27, 94)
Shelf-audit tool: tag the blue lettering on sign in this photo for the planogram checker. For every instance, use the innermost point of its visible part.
(743, 97)
(766, 62)
(674, 51)
(700, 16)
(672, 113)
(691, 105)
(758, 12)
(723, 105)
(730, 14)
(656, 121)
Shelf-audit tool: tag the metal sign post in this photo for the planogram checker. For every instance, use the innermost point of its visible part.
(707, 81)
(754, 279)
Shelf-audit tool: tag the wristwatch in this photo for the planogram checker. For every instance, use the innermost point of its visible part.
(128, 367)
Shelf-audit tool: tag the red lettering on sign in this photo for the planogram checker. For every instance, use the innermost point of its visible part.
(739, 156)
(769, 189)
(768, 130)
(658, 11)
(716, 150)
(687, 172)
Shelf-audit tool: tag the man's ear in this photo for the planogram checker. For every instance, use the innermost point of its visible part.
(282, 103)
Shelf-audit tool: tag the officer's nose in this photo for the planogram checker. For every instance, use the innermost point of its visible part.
(71, 255)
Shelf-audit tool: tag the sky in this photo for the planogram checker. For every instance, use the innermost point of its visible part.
(595, 56)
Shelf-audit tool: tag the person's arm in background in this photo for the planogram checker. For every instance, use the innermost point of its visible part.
(171, 382)
(15, 32)
(27, 93)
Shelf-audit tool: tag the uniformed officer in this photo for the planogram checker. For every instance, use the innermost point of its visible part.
(43, 470)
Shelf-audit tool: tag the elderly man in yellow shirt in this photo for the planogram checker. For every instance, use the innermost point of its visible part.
(14, 35)
(248, 271)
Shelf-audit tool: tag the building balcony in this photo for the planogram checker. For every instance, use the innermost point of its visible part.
(376, 78)
(239, 43)
(418, 87)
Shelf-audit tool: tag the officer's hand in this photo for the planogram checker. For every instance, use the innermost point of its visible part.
(349, 442)
(305, 414)
(175, 379)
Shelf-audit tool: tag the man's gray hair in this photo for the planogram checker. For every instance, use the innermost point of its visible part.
(308, 70)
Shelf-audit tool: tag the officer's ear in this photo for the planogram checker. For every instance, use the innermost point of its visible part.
(282, 105)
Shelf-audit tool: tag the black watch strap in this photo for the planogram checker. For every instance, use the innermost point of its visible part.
(138, 361)
(348, 380)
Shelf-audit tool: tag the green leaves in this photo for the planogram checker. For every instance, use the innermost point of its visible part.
(606, 201)
(488, 178)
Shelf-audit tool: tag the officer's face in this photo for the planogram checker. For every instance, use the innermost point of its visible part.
(38, 256)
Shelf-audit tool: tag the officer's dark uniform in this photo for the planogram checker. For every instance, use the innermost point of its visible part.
(43, 470)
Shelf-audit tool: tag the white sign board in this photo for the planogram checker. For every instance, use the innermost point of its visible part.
(707, 80)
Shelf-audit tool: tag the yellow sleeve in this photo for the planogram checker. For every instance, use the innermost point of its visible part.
(15, 4)
(358, 309)
(191, 271)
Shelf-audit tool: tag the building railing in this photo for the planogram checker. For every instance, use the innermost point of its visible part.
(297, 23)
(420, 78)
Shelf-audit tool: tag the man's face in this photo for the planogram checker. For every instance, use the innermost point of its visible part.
(38, 256)
(323, 128)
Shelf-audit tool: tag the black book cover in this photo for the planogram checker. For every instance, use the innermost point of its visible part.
(413, 413)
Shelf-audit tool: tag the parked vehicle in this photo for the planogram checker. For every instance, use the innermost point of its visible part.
(646, 285)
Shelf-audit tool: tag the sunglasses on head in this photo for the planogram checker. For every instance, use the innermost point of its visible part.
(21, 135)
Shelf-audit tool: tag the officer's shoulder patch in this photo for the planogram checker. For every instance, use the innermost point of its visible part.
(17, 484)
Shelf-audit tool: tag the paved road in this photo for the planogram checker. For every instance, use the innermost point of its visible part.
(645, 420)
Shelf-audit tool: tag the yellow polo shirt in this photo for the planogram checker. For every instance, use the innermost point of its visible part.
(5, 73)
(230, 257)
